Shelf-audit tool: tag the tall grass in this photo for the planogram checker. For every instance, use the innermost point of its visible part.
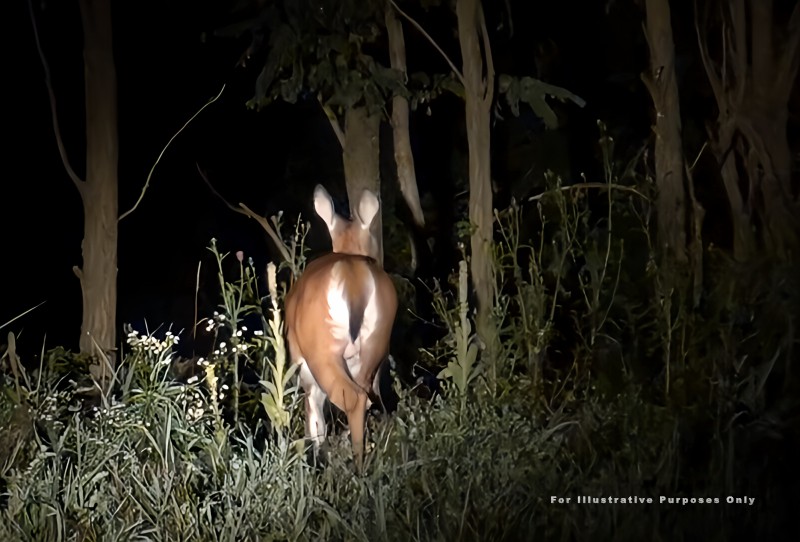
(611, 384)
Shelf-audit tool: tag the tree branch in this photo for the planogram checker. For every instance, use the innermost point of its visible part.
(416, 25)
(510, 20)
(713, 78)
(762, 47)
(23, 314)
(337, 128)
(578, 186)
(79, 183)
(403, 155)
(246, 211)
(488, 95)
(161, 154)
(739, 51)
(789, 62)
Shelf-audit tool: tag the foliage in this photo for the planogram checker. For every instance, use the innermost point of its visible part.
(274, 400)
(533, 92)
(461, 370)
(610, 384)
(319, 47)
(332, 50)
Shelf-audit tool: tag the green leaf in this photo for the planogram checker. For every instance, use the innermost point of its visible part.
(534, 92)
(270, 386)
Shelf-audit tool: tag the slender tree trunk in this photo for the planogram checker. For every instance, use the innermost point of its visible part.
(479, 92)
(406, 176)
(669, 162)
(769, 164)
(361, 160)
(98, 275)
(752, 80)
(744, 242)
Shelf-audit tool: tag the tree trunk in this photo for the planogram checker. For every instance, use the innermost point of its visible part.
(744, 242)
(769, 162)
(98, 275)
(752, 80)
(406, 176)
(479, 92)
(361, 155)
(663, 87)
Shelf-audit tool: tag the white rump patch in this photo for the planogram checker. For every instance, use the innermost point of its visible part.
(368, 323)
(338, 312)
(339, 319)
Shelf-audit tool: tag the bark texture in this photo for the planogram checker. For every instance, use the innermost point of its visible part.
(406, 175)
(98, 274)
(479, 92)
(669, 163)
(752, 78)
(361, 161)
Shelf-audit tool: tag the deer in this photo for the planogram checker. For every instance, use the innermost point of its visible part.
(339, 318)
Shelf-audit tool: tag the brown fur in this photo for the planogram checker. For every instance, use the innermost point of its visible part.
(309, 333)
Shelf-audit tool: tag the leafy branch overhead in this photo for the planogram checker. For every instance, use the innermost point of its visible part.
(319, 47)
(534, 93)
(328, 49)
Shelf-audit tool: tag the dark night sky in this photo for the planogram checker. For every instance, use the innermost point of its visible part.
(165, 73)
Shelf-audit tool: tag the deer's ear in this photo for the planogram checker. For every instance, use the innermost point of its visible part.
(323, 204)
(368, 207)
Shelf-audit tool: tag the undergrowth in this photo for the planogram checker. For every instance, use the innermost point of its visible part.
(613, 383)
